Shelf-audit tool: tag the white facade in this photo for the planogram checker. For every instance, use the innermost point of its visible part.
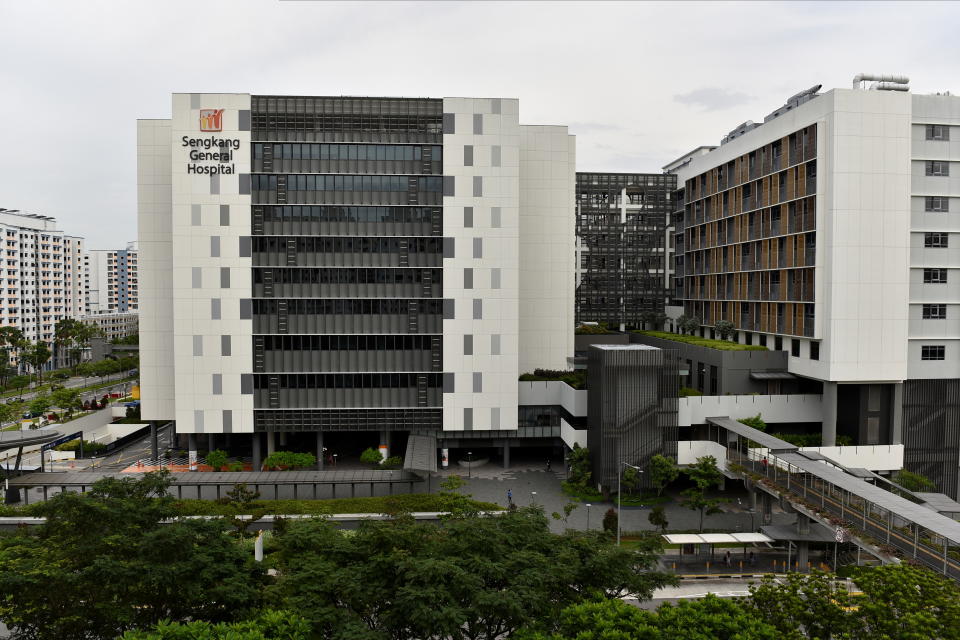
(41, 277)
(111, 280)
(508, 206)
(862, 225)
(113, 325)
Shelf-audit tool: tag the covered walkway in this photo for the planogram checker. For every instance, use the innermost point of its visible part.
(882, 512)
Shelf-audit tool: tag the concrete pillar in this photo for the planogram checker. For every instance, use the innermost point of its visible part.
(192, 451)
(211, 442)
(829, 429)
(896, 422)
(283, 438)
(257, 461)
(320, 453)
(154, 442)
(766, 508)
(384, 444)
(506, 454)
(803, 555)
(803, 524)
(753, 500)
(271, 442)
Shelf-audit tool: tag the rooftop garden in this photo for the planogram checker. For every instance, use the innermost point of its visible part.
(597, 329)
(697, 341)
(576, 379)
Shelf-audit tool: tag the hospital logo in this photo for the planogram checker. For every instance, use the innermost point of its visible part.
(211, 119)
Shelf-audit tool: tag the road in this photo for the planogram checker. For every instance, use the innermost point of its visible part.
(73, 383)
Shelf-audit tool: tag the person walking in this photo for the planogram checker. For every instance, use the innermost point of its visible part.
(752, 560)
(548, 464)
(726, 558)
(509, 497)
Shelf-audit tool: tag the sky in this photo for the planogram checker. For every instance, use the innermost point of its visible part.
(639, 83)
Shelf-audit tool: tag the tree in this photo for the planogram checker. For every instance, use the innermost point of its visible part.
(579, 466)
(103, 563)
(66, 399)
(693, 325)
(217, 459)
(724, 329)
(36, 356)
(913, 481)
(610, 521)
(74, 336)
(756, 422)
(630, 479)
(711, 618)
(663, 470)
(682, 323)
(658, 518)
(20, 383)
(39, 405)
(472, 578)
(371, 456)
(704, 475)
(268, 625)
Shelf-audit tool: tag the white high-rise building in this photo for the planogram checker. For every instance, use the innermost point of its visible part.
(112, 280)
(831, 231)
(373, 265)
(42, 275)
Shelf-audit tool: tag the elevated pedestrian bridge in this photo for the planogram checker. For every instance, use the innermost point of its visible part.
(875, 511)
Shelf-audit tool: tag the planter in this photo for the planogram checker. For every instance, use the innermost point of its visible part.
(473, 464)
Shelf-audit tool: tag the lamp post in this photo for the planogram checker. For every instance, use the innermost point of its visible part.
(469, 465)
(619, 475)
(588, 516)
(334, 461)
(533, 498)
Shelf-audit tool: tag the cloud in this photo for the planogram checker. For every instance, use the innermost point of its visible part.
(710, 98)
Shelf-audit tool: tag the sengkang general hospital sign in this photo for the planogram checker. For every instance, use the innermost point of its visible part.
(211, 149)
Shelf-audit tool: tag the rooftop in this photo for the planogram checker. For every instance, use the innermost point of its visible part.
(697, 341)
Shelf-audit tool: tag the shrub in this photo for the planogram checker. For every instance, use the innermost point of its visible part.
(88, 446)
(576, 379)
(289, 460)
(393, 462)
(610, 520)
(371, 456)
(217, 459)
(687, 391)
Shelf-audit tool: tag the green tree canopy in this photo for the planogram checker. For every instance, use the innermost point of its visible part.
(913, 481)
(103, 564)
(66, 399)
(476, 578)
(663, 470)
(268, 625)
(704, 475)
(36, 356)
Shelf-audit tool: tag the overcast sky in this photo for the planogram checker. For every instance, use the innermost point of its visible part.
(638, 83)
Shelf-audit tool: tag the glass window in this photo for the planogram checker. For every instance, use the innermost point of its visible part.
(934, 312)
(937, 203)
(938, 132)
(933, 352)
(935, 276)
(935, 240)
(937, 168)
(814, 350)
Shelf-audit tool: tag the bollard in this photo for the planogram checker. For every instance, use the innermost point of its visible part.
(708, 566)
(674, 566)
(741, 566)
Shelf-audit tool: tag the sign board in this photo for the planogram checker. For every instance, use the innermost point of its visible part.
(59, 441)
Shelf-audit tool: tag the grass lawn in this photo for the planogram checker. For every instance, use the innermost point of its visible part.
(723, 345)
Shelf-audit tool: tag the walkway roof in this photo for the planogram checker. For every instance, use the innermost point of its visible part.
(716, 538)
(17, 439)
(901, 507)
(763, 439)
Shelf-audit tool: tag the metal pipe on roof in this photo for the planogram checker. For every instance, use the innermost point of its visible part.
(888, 86)
(862, 77)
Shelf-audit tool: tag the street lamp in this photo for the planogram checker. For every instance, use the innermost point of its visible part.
(334, 461)
(533, 498)
(469, 465)
(588, 516)
(619, 475)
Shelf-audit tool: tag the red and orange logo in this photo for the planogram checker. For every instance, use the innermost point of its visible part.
(211, 119)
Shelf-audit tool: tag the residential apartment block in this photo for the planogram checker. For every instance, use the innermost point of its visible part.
(322, 265)
(825, 232)
(622, 238)
(111, 279)
(114, 325)
(42, 274)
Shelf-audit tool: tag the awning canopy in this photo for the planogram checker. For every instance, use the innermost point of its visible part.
(716, 538)
(772, 375)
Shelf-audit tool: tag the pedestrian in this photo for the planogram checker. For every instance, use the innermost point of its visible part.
(751, 560)
(548, 464)
(509, 496)
(764, 462)
(726, 558)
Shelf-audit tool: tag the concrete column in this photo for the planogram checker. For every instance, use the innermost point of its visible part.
(803, 524)
(192, 450)
(385, 444)
(271, 442)
(896, 422)
(154, 442)
(257, 461)
(211, 442)
(506, 454)
(319, 450)
(829, 429)
(283, 438)
(753, 500)
(766, 508)
(803, 555)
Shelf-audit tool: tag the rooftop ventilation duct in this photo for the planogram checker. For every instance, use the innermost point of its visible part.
(794, 101)
(860, 78)
(889, 86)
